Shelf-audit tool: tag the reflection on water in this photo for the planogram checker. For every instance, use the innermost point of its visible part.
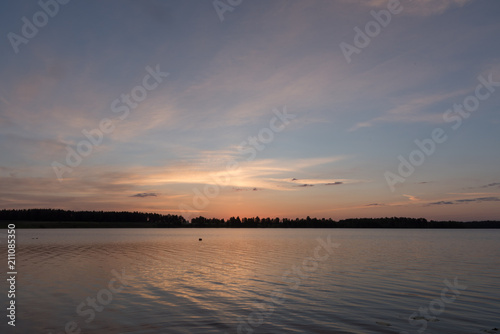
(257, 280)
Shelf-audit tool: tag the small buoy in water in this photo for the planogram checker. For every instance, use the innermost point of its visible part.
(200, 239)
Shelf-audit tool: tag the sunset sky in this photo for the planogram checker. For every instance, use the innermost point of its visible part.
(252, 110)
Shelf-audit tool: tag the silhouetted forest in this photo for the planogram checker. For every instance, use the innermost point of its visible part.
(54, 218)
(392, 222)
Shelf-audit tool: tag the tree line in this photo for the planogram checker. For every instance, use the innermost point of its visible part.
(56, 218)
(68, 218)
(386, 222)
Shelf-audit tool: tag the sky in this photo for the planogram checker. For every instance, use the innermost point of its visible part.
(270, 108)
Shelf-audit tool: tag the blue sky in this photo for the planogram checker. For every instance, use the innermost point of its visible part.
(227, 81)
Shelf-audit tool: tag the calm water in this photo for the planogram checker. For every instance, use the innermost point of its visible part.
(257, 280)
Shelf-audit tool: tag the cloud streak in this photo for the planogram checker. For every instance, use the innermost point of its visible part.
(467, 200)
(142, 195)
(494, 184)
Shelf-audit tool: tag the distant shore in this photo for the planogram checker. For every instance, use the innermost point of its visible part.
(97, 225)
(55, 218)
(20, 224)
(51, 219)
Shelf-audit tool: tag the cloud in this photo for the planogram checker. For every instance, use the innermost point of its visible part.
(259, 174)
(468, 200)
(375, 204)
(480, 199)
(494, 184)
(145, 195)
(489, 185)
(312, 182)
(290, 184)
(441, 203)
(247, 189)
(412, 109)
(412, 198)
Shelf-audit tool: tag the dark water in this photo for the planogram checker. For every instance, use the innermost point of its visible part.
(257, 281)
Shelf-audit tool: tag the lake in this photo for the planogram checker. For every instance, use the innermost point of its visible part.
(257, 281)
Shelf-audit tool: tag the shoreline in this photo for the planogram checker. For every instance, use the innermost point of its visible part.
(128, 225)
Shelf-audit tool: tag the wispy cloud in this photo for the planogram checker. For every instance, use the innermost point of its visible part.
(245, 189)
(413, 109)
(494, 184)
(310, 182)
(412, 198)
(145, 195)
(481, 199)
(441, 203)
(467, 200)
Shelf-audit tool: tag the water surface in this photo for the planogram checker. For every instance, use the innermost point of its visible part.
(258, 280)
